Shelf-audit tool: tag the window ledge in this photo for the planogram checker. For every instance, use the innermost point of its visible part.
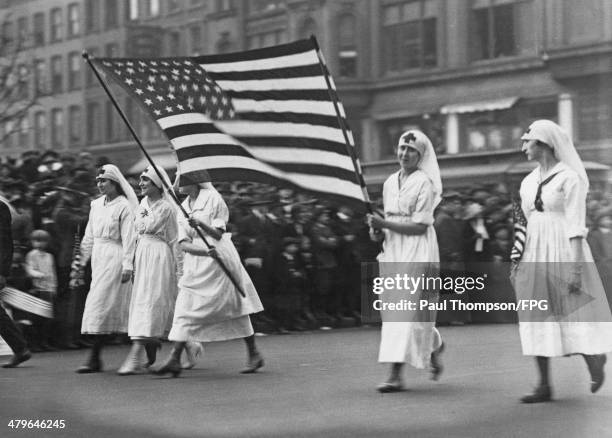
(222, 14)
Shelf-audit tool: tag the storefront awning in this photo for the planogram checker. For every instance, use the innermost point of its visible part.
(165, 159)
(483, 105)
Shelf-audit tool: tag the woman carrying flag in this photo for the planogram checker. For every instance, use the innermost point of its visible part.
(209, 307)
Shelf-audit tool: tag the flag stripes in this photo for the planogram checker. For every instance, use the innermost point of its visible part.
(271, 117)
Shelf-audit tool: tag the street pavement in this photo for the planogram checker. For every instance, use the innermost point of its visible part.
(316, 384)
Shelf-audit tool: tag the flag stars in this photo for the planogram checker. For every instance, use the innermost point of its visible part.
(160, 98)
(129, 81)
(151, 79)
(171, 96)
(175, 72)
(157, 112)
(151, 88)
(183, 87)
(181, 107)
(148, 102)
(169, 109)
(130, 70)
(138, 91)
(164, 78)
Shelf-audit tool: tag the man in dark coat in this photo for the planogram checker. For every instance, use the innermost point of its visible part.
(8, 330)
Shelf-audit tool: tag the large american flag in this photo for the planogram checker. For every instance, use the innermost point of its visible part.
(263, 115)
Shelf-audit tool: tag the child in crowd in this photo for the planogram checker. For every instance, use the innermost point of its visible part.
(40, 268)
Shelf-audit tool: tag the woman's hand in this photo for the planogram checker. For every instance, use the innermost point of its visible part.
(375, 221)
(194, 222)
(212, 252)
(575, 284)
(126, 275)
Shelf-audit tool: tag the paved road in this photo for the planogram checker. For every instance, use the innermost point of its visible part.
(314, 384)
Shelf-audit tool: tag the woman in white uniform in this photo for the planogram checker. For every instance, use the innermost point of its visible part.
(155, 283)
(410, 197)
(109, 240)
(208, 307)
(557, 266)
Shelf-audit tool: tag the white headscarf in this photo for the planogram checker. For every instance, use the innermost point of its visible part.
(558, 139)
(152, 175)
(112, 172)
(428, 162)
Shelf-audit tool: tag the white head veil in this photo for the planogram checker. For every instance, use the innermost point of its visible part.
(152, 175)
(563, 148)
(428, 162)
(112, 172)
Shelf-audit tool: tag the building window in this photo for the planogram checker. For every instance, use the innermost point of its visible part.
(38, 35)
(24, 133)
(111, 50)
(8, 37)
(493, 29)
(94, 120)
(594, 112)
(134, 9)
(22, 31)
(502, 129)
(224, 5)
(40, 76)
(75, 121)
(409, 35)
(92, 14)
(74, 20)
(40, 129)
(224, 44)
(174, 43)
(195, 35)
(153, 8)
(57, 127)
(111, 19)
(347, 46)
(23, 75)
(90, 78)
(74, 71)
(431, 124)
(6, 134)
(56, 25)
(258, 6)
(56, 74)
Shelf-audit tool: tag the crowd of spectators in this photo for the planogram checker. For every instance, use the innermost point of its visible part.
(303, 254)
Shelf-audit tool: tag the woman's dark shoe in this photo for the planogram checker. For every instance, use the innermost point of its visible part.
(17, 359)
(540, 395)
(151, 348)
(596, 364)
(172, 366)
(436, 364)
(255, 363)
(91, 366)
(390, 386)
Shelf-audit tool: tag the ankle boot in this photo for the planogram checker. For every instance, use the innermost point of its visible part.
(151, 347)
(131, 365)
(541, 394)
(595, 364)
(93, 364)
(173, 363)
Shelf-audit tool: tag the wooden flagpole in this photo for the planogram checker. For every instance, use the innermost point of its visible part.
(154, 166)
(350, 152)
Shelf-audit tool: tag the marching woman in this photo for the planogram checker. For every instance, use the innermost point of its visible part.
(557, 266)
(410, 197)
(109, 240)
(208, 307)
(154, 289)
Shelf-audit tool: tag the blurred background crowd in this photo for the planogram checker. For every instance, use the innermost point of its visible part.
(303, 254)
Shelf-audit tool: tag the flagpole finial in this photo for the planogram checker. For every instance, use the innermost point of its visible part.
(85, 55)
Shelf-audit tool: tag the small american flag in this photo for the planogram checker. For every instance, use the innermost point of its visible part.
(263, 115)
(520, 231)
